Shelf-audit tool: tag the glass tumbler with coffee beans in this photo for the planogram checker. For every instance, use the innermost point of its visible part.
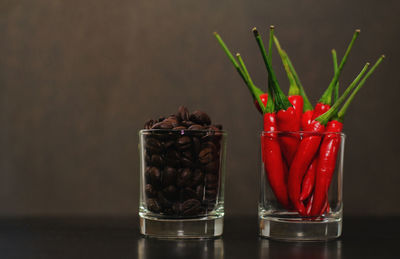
(182, 158)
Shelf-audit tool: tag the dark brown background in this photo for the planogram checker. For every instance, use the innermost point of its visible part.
(79, 78)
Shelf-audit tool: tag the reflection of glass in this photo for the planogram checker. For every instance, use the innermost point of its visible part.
(285, 221)
(182, 183)
(162, 248)
(309, 250)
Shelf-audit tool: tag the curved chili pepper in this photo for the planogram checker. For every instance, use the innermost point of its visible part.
(272, 156)
(331, 144)
(309, 180)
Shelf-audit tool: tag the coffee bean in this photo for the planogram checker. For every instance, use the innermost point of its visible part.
(163, 125)
(200, 191)
(170, 192)
(153, 205)
(147, 159)
(173, 158)
(211, 178)
(183, 113)
(186, 162)
(149, 124)
(211, 185)
(196, 145)
(184, 178)
(169, 176)
(211, 193)
(187, 123)
(184, 142)
(153, 146)
(198, 177)
(191, 207)
(211, 145)
(172, 120)
(200, 118)
(212, 167)
(177, 208)
(206, 155)
(150, 191)
(188, 193)
(163, 201)
(179, 128)
(157, 160)
(196, 127)
(218, 126)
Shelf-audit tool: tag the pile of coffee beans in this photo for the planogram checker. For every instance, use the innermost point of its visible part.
(182, 164)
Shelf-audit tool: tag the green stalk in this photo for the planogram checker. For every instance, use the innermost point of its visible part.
(281, 101)
(327, 95)
(270, 43)
(250, 82)
(335, 69)
(293, 88)
(254, 90)
(342, 111)
(307, 106)
(324, 118)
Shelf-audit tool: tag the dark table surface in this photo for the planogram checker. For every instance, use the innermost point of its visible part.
(120, 238)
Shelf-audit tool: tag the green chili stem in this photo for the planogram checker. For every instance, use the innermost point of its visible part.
(342, 111)
(324, 118)
(281, 101)
(307, 106)
(327, 95)
(254, 90)
(335, 69)
(250, 82)
(293, 88)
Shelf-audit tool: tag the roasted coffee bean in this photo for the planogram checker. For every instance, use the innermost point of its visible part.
(198, 177)
(161, 119)
(196, 127)
(153, 146)
(183, 113)
(188, 193)
(218, 126)
(170, 192)
(187, 123)
(153, 205)
(169, 176)
(173, 120)
(149, 124)
(211, 178)
(212, 167)
(180, 128)
(187, 154)
(211, 145)
(177, 208)
(200, 191)
(211, 193)
(206, 155)
(150, 191)
(157, 160)
(167, 144)
(173, 158)
(186, 162)
(212, 128)
(163, 125)
(191, 207)
(184, 178)
(211, 185)
(196, 144)
(200, 118)
(184, 142)
(163, 201)
(147, 159)
(168, 211)
(153, 174)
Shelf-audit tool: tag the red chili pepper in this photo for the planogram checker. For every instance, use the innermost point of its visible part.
(272, 156)
(308, 181)
(264, 99)
(331, 144)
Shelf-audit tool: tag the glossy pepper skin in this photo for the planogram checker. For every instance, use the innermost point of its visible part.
(320, 108)
(264, 99)
(306, 151)
(272, 156)
(286, 121)
(309, 180)
(306, 118)
(326, 165)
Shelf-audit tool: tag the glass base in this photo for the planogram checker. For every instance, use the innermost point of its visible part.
(206, 227)
(300, 230)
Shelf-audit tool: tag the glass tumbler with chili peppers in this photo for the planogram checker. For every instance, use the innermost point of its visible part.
(182, 183)
(301, 200)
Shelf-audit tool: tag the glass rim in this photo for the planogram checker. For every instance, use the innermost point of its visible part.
(182, 131)
(302, 132)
